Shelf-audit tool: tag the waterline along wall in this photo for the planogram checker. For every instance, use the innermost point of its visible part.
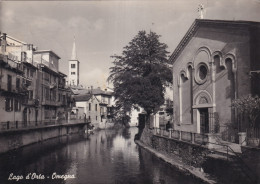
(242, 168)
(13, 139)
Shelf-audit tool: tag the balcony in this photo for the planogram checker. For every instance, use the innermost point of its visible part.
(62, 103)
(5, 87)
(10, 63)
(33, 102)
(50, 102)
(61, 86)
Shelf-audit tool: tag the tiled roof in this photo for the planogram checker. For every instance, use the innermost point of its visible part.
(95, 91)
(85, 97)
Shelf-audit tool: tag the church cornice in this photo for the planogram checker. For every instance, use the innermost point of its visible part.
(216, 23)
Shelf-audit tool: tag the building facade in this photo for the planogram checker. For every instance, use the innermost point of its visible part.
(211, 67)
(33, 89)
(91, 109)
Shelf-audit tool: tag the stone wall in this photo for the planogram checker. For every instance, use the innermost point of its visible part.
(190, 154)
(10, 140)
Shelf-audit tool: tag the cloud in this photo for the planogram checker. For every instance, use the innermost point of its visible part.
(76, 23)
(95, 77)
(46, 23)
(7, 16)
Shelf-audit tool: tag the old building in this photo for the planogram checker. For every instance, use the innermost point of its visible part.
(54, 96)
(91, 108)
(19, 104)
(211, 67)
(33, 89)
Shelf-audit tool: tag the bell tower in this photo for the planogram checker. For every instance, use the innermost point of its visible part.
(74, 67)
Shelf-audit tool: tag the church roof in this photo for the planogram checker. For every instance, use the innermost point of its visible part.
(199, 22)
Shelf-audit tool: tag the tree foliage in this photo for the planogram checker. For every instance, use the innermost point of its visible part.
(249, 106)
(141, 73)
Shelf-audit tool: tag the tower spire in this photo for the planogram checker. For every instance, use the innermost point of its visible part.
(74, 53)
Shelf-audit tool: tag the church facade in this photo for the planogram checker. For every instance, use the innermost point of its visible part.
(211, 67)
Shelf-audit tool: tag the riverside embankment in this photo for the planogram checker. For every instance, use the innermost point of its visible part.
(15, 138)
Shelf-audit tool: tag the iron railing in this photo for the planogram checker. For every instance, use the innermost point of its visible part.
(202, 139)
(20, 125)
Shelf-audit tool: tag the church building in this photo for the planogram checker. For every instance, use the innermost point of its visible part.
(211, 67)
(73, 79)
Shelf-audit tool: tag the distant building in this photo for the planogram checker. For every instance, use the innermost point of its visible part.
(73, 79)
(104, 99)
(211, 67)
(91, 108)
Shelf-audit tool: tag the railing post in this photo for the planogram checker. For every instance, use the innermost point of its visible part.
(170, 132)
(192, 137)
(242, 138)
(227, 153)
(179, 135)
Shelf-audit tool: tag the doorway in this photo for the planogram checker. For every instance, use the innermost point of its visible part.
(204, 120)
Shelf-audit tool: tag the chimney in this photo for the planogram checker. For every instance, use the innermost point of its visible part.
(3, 44)
(30, 47)
(4, 36)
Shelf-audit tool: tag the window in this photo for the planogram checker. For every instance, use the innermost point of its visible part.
(30, 94)
(96, 107)
(73, 65)
(46, 76)
(89, 117)
(8, 104)
(17, 105)
(31, 73)
(59, 97)
(73, 73)
(47, 93)
(89, 106)
(28, 72)
(201, 73)
(18, 83)
(9, 82)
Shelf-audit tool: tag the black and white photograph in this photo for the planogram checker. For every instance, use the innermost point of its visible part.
(130, 92)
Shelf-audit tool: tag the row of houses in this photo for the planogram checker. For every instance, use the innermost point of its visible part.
(33, 90)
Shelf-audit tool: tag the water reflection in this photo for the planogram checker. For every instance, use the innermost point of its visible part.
(107, 156)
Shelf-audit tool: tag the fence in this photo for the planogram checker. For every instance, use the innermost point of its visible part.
(253, 133)
(19, 125)
(182, 135)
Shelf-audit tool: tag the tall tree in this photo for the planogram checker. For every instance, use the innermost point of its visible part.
(141, 73)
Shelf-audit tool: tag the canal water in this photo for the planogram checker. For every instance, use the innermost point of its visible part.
(105, 157)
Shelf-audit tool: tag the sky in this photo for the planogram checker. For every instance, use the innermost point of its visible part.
(102, 28)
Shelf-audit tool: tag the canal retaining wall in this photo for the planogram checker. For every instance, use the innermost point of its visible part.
(13, 139)
(193, 157)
